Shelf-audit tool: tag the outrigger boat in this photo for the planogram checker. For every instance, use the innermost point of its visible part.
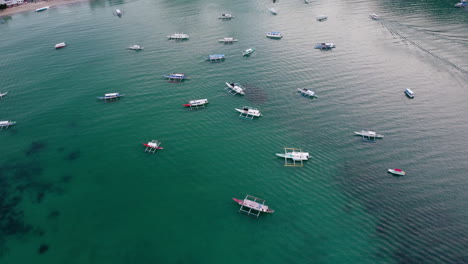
(226, 16)
(321, 18)
(42, 8)
(247, 52)
(176, 76)
(3, 94)
(273, 11)
(306, 92)
(136, 47)
(152, 146)
(235, 88)
(374, 16)
(253, 206)
(275, 35)
(6, 124)
(248, 112)
(196, 103)
(228, 40)
(294, 155)
(368, 135)
(110, 96)
(215, 58)
(178, 36)
(463, 3)
(409, 93)
(325, 46)
(60, 45)
(118, 13)
(397, 172)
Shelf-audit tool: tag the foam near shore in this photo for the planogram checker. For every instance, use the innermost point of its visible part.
(33, 6)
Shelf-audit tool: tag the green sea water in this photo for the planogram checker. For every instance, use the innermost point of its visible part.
(75, 180)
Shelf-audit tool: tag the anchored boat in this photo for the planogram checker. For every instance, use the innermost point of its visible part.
(306, 92)
(272, 10)
(3, 94)
(152, 146)
(321, 18)
(178, 36)
(253, 206)
(397, 172)
(216, 57)
(42, 8)
(6, 124)
(294, 155)
(248, 112)
(118, 13)
(136, 47)
(226, 16)
(228, 40)
(409, 93)
(374, 16)
(110, 96)
(325, 46)
(196, 103)
(247, 52)
(176, 77)
(60, 45)
(275, 35)
(368, 134)
(235, 88)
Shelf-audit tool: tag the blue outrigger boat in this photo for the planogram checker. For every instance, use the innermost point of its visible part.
(216, 57)
(110, 96)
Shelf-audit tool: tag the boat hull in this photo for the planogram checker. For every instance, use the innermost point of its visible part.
(240, 202)
(146, 145)
(397, 172)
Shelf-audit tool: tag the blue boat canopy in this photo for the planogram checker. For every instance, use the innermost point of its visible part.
(216, 57)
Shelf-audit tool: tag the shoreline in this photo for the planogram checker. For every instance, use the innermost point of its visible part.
(33, 6)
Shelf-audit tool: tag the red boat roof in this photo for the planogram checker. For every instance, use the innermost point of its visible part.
(398, 170)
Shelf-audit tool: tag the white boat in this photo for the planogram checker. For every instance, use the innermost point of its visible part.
(321, 18)
(110, 96)
(135, 47)
(196, 103)
(325, 46)
(272, 10)
(6, 124)
(178, 36)
(228, 40)
(3, 94)
(397, 172)
(307, 92)
(247, 52)
(294, 155)
(275, 35)
(60, 45)
(42, 8)
(248, 112)
(374, 16)
(118, 12)
(409, 93)
(226, 16)
(463, 3)
(235, 88)
(368, 134)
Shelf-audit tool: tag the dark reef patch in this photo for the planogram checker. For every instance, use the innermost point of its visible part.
(43, 248)
(66, 178)
(73, 155)
(54, 214)
(36, 147)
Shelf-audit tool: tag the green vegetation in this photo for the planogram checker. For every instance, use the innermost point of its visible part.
(3, 6)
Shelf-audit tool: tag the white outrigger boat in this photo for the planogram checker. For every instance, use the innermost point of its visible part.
(228, 40)
(118, 13)
(397, 172)
(272, 10)
(3, 94)
(6, 124)
(176, 77)
(274, 35)
(248, 112)
(42, 9)
(253, 203)
(368, 134)
(307, 92)
(321, 18)
(226, 16)
(235, 88)
(463, 3)
(136, 47)
(196, 103)
(325, 46)
(409, 93)
(110, 96)
(374, 16)
(247, 52)
(152, 146)
(178, 36)
(60, 45)
(216, 57)
(294, 155)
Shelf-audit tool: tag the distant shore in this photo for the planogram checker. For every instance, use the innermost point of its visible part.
(33, 6)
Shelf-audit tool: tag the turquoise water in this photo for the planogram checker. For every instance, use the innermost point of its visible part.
(75, 180)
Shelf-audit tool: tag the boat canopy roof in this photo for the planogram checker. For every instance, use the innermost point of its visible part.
(216, 56)
(4, 122)
(111, 94)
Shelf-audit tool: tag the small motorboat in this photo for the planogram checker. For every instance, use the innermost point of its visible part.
(216, 57)
(110, 96)
(409, 93)
(463, 3)
(254, 205)
(294, 155)
(228, 40)
(176, 76)
(321, 18)
(178, 36)
(226, 16)
(3, 94)
(136, 47)
(274, 35)
(248, 112)
(368, 134)
(374, 16)
(196, 103)
(6, 124)
(235, 88)
(153, 144)
(118, 12)
(397, 172)
(272, 10)
(247, 52)
(60, 45)
(307, 92)
(325, 46)
(42, 8)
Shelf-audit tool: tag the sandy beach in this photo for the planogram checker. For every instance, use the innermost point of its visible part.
(33, 6)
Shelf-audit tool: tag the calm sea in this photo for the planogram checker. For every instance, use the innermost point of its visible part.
(76, 186)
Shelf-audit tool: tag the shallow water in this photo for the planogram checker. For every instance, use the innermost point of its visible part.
(76, 183)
